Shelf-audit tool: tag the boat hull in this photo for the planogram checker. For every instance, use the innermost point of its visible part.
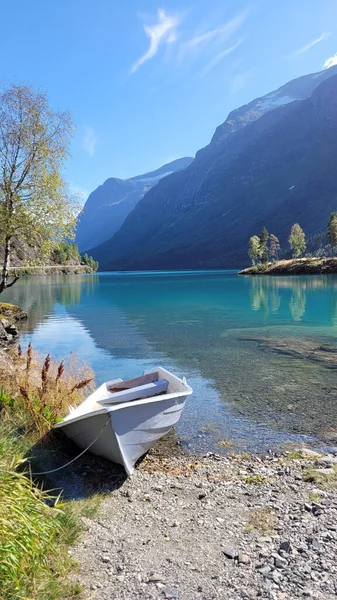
(124, 432)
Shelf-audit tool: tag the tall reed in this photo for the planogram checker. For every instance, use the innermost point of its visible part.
(43, 390)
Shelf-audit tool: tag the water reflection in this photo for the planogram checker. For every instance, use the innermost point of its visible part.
(223, 332)
(39, 295)
(266, 294)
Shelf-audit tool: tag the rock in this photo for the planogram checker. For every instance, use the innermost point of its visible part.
(154, 578)
(171, 592)
(202, 495)
(286, 547)
(265, 540)
(328, 460)
(325, 471)
(243, 559)
(106, 559)
(3, 333)
(230, 553)
(309, 453)
(264, 570)
(5, 323)
(280, 562)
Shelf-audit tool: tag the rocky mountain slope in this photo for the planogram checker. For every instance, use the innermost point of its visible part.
(108, 206)
(271, 163)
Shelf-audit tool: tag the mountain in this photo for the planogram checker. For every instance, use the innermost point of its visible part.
(271, 163)
(108, 206)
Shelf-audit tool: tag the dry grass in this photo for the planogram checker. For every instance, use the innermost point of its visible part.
(42, 389)
(225, 443)
(262, 520)
(327, 479)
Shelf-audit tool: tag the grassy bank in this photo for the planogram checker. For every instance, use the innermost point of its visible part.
(51, 270)
(36, 527)
(294, 266)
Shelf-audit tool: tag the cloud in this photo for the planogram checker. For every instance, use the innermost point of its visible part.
(164, 31)
(330, 62)
(90, 140)
(311, 44)
(218, 34)
(218, 57)
(239, 81)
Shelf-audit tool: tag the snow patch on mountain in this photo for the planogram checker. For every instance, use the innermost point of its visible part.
(269, 102)
(156, 178)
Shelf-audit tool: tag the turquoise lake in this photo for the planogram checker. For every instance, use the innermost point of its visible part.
(259, 352)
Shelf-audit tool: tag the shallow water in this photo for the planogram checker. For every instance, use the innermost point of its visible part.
(259, 352)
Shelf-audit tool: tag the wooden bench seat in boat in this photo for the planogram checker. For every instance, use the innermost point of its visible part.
(148, 390)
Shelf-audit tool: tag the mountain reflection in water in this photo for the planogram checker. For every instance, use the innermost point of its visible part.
(259, 351)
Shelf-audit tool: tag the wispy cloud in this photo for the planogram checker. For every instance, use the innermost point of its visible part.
(239, 81)
(164, 31)
(330, 62)
(221, 33)
(311, 44)
(89, 141)
(218, 57)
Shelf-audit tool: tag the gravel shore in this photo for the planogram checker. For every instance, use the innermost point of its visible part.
(212, 527)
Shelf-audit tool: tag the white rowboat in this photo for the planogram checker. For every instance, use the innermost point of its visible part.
(122, 420)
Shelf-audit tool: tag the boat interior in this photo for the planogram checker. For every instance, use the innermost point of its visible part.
(148, 385)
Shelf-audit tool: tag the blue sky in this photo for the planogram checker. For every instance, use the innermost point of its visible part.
(149, 81)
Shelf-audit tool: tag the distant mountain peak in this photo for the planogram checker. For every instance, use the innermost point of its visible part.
(297, 89)
(271, 163)
(108, 206)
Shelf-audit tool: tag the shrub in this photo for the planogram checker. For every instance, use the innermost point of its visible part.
(43, 390)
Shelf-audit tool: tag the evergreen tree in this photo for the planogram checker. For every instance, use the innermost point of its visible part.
(274, 247)
(297, 240)
(332, 230)
(254, 249)
(264, 253)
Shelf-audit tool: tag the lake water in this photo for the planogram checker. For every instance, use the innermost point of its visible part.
(260, 353)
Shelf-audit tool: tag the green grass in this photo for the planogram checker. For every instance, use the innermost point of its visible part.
(319, 478)
(35, 532)
(36, 527)
(255, 479)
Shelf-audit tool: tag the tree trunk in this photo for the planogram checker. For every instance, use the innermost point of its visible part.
(6, 264)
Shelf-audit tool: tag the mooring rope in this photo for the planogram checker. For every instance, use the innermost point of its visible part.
(76, 457)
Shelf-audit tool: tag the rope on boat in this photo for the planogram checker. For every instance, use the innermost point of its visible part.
(76, 457)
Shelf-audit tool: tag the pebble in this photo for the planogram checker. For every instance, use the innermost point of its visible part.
(243, 559)
(171, 592)
(241, 542)
(280, 562)
(286, 546)
(154, 578)
(230, 552)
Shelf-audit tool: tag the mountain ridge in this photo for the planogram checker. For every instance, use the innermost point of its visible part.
(108, 205)
(209, 210)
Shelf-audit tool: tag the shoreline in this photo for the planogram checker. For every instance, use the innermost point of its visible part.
(213, 527)
(194, 527)
(51, 270)
(294, 266)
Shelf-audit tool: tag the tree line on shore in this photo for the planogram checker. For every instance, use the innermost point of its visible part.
(266, 247)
